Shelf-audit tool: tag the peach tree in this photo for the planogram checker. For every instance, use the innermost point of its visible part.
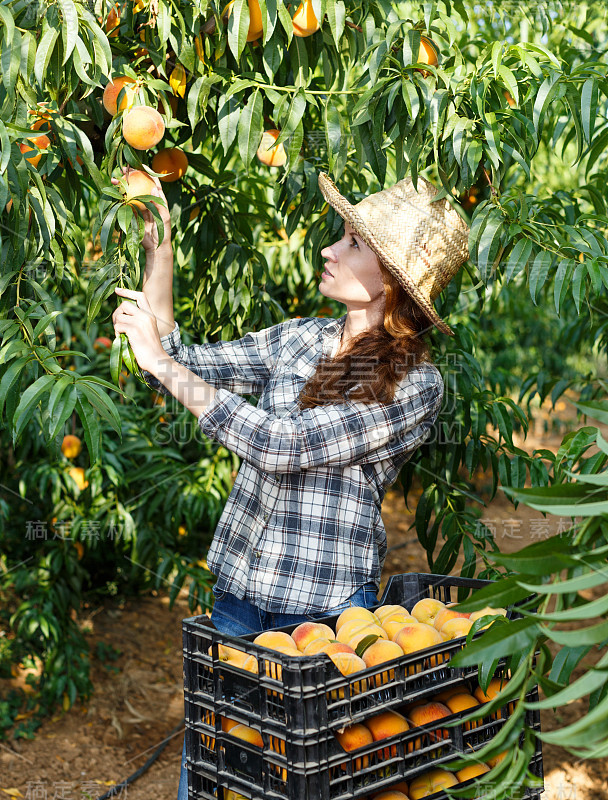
(238, 110)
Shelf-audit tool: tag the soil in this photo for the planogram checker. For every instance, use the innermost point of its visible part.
(138, 699)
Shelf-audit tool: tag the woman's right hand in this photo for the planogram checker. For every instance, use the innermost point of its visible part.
(150, 240)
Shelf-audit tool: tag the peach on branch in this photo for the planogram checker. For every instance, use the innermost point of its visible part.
(143, 127)
(171, 163)
(113, 89)
(71, 446)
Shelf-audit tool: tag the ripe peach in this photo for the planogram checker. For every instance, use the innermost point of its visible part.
(250, 664)
(391, 794)
(71, 446)
(445, 614)
(428, 53)
(138, 183)
(171, 163)
(417, 636)
(363, 632)
(255, 19)
(463, 702)
(143, 127)
(274, 640)
(398, 616)
(382, 612)
(455, 628)
(385, 724)
(379, 652)
(348, 664)
(353, 613)
(40, 143)
(452, 690)
(353, 738)
(307, 632)
(231, 794)
(335, 647)
(269, 155)
(492, 762)
(350, 627)
(305, 22)
(316, 646)
(471, 771)
(77, 474)
(228, 724)
(425, 715)
(488, 610)
(430, 782)
(231, 655)
(247, 734)
(101, 343)
(427, 609)
(112, 90)
(393, 626)
(496, 685)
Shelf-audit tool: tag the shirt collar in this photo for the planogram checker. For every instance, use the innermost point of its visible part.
(333, 327)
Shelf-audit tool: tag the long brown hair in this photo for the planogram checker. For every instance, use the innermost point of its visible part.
(376, 359)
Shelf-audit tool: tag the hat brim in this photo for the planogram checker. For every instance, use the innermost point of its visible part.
(349, 213)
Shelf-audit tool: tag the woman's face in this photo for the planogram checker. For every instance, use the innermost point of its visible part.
(355, 278)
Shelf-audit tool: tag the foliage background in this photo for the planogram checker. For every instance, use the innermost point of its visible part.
(529, 175)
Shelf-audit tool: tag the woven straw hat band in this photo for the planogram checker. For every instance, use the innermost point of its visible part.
(423, 244)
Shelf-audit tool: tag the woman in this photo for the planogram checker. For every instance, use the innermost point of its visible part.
(344, 404)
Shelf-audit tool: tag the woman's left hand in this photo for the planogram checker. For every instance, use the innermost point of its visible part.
(139, 323)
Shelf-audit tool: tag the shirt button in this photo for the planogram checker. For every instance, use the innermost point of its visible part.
(265, 517)
(257, 553)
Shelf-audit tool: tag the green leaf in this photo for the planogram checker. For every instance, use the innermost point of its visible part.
(587, 683)
(490, 245)
(594, 634)
(518, 257)
(101, 403)
(588, 722)
(501, 594)
(69, 28)
(561, 283)
(336, 15)
(28, 402)
(238, 27)
(62, 408)
(539, 270)
(11, 376)
(44, 53)
(543, 98)
(91, 428)
(589, 94)
(116, 358)
(516, 636)
(593, 408)
(250, 127)
(579, 584)
(366, 642)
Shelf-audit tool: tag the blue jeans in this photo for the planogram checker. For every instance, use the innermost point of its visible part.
(238, 618)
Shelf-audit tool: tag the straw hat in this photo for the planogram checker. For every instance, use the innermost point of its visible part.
(422, 244)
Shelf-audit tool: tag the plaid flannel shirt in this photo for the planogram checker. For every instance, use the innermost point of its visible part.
(301, 530)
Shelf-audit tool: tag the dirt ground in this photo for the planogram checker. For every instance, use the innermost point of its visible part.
(138, 698)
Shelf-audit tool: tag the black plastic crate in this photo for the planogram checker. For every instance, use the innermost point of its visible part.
(311, 694)
(317, 768)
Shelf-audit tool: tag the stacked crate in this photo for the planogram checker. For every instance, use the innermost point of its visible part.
(298, 704)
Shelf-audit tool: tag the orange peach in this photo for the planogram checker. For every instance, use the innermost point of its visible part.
(398, 616)
(71, 446)
(143, 127)
(112, 90)
(31, 154)
(272, 156)
(228, 724)
(471, 771)
(445, 614)
(452, 690)
(250, 664)
(353, 738)
(348, 664)
(393, 626)
(231, 655)
(363, 632)
(382, 612)
(455, 628)
(427, 609)
(247, 734)
(355, 613)
(305, 21)
(138, 182)
(417, 636)
(379, 652)
(171, 163)
(495, 686)
(430, 782)
(396, 787)
(316, 646)
(77, 475)
(255, 19)
(307, 632)
(231, 794)
(492, 762)
(426, 715)
(385, 724)
(337, 647)
(275, 639)
(391, 794)
(463, 702)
